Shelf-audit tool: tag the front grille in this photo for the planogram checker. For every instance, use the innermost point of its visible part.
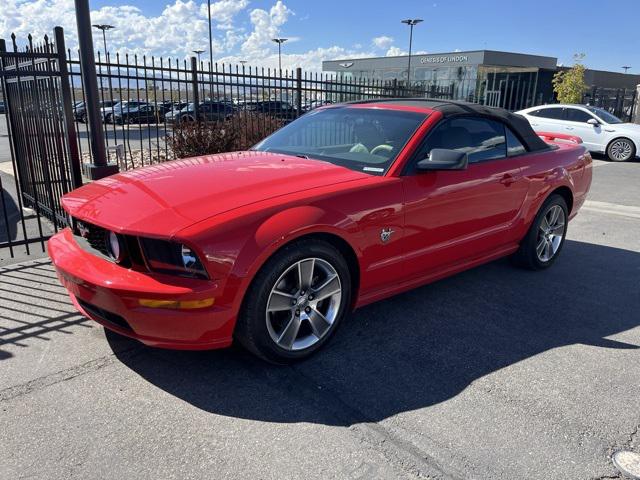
(105, 315)
(95, 240)
(95, 236)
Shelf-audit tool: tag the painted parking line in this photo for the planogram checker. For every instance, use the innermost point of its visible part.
(612, 209)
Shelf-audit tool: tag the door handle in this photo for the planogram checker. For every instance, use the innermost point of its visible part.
(507, 179)
(569, 128)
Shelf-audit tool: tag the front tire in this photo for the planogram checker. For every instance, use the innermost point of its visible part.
(295, 303)
(545, 238)
(621, 150)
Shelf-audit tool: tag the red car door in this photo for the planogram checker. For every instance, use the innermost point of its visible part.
(452, 216)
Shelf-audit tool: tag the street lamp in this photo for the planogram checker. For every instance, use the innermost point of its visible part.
(279, 41)
(104, 28)
(625, 68)
(411, 22)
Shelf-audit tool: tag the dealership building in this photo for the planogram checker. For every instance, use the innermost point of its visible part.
(505, 79)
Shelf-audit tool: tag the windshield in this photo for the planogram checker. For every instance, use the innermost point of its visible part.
(363, 139)
(604, 115)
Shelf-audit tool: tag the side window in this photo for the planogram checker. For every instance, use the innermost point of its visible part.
(555, 113)
(575, 115)
(514, 146)
(480, 138)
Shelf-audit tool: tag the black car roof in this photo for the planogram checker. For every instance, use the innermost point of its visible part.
(450, 108)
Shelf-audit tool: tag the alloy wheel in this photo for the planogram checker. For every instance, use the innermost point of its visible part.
(550, 233)
(303, 304)
(620, 150)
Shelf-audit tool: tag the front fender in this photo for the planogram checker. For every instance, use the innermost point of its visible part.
(288, 225)
(235, 247)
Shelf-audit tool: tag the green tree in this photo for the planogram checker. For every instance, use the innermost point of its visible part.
(569, 85)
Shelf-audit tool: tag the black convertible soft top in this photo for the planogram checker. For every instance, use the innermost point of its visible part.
(449, 108)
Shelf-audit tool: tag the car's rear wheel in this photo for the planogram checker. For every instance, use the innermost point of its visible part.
(296, 302)
(543, 243)
(621, 150)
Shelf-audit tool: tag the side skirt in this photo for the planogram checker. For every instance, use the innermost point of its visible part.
(434, 276)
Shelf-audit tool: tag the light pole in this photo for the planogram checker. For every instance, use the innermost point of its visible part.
(198, 53)
(210, 38)
(625, 68)
(411, 22)
(279, 41)
(104, 28)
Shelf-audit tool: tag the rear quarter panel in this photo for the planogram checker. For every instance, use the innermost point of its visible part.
(566, 165)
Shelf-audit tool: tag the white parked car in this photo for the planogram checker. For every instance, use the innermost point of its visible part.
(600, 131)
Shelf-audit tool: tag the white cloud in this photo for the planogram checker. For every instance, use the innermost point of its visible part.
(180, 28)
(395, 52)
(382, 41)
(266, 25)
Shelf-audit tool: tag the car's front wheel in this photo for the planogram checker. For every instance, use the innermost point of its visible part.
(296, 302)
(621, 150)
(543, 243)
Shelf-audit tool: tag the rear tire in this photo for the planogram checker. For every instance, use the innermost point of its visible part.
(621, 150)
(545, 238)
(295, 303)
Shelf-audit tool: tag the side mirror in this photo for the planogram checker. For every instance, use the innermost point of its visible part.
(443, 159)
(593, 121)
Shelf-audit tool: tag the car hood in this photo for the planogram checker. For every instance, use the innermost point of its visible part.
(162, 199)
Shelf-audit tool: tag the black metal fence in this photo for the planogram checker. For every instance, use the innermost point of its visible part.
(618, 101)
(143, 98)
(39, 122)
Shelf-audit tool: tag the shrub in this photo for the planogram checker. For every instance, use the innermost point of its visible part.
(238, 132)
(569, 85)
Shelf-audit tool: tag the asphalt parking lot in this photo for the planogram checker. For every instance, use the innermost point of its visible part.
(496, 373)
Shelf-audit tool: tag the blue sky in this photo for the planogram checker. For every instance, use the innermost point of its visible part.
(606, 31)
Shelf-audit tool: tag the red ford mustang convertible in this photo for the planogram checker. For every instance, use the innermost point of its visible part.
(347, 205)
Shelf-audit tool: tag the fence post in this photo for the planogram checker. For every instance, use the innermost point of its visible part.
(299, 91)
(194, 86)
(70, 127)
(100, 167)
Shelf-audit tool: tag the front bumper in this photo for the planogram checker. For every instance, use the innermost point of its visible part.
(110, 295)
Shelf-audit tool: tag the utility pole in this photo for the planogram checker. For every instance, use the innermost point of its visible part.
(412, 22)
(625, 68)
(100, 167)
(279, 41)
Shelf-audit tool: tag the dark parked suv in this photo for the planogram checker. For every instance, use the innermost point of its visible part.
(274, 108)
(137, 114)
(208, 111)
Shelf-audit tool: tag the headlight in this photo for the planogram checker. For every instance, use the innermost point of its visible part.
(172, 257)
(116, 252)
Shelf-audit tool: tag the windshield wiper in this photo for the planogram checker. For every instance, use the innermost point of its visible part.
(300, 155)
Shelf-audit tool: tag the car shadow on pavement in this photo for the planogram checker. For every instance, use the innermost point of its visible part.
(416, 349)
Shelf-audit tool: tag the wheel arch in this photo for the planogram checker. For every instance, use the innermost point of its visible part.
(337, 241)
(566, 193)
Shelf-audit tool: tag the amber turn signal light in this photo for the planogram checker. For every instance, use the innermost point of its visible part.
(176, 304)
